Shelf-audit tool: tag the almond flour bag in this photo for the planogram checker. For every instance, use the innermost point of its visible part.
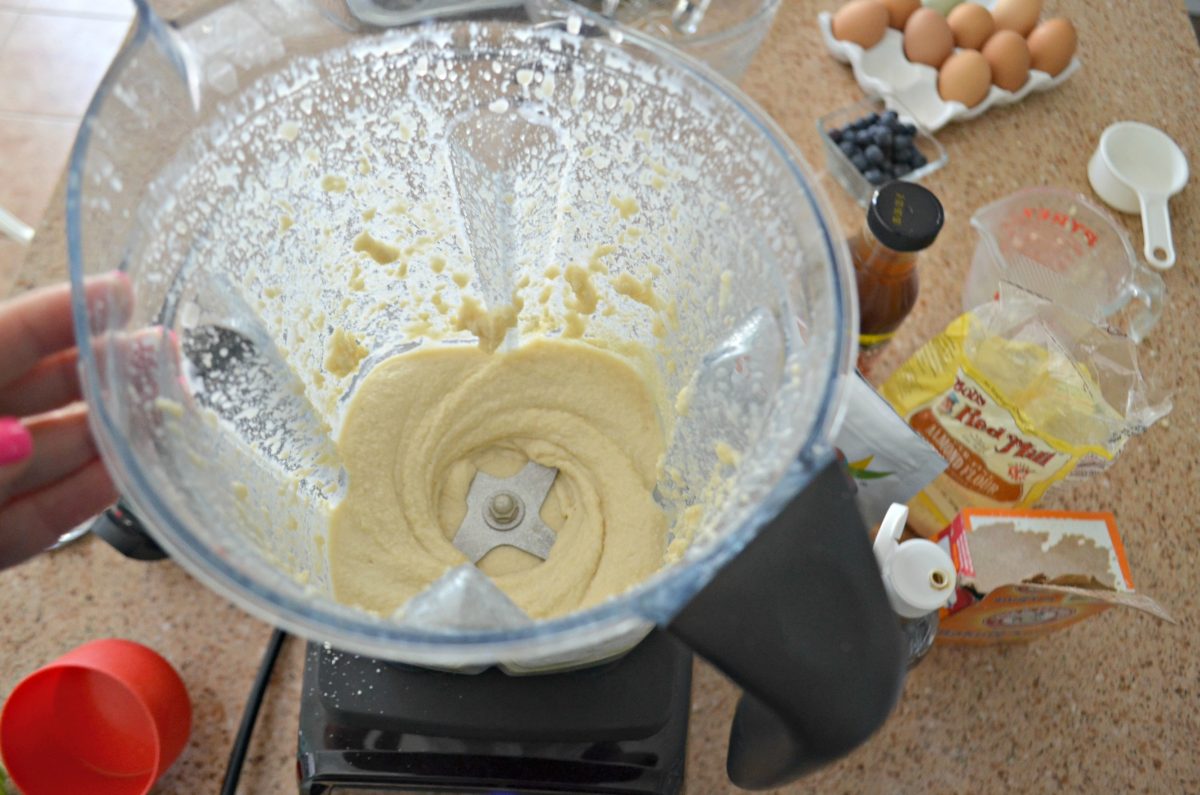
(1018, 395)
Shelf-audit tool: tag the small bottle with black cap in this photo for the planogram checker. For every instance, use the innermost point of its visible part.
(903, 219)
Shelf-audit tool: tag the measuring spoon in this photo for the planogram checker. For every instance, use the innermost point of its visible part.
(1137, 168)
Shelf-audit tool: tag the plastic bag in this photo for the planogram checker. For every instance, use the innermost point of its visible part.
(888, 461)
(1018, 395)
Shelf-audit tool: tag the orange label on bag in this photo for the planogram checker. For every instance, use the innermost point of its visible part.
(984, 448)
(963, 466)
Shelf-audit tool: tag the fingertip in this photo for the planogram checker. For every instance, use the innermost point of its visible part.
(30, 523)
(112, 293)
(168, 339)
(124, 292)
(99, 488)
(16, 443)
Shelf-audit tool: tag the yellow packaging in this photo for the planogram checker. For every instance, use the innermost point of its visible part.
(1016, 396)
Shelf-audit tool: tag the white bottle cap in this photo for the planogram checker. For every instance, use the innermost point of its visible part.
(918, 575)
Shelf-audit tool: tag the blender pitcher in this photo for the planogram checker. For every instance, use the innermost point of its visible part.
(277, 177)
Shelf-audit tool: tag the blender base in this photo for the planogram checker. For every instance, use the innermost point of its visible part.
(368, 726)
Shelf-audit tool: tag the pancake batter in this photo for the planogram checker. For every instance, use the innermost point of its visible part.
(423, 423)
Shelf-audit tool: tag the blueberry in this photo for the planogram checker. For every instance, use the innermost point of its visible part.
(909, 129)
(835, 135)
(881, 136)
(889, 117)
(874, 154)
(872, 118)
(860, 161)
(848, 148)
(874, 176)
(902, 168)
(918, 159)
(902, 141)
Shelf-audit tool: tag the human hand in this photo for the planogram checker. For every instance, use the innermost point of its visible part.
(51, 477)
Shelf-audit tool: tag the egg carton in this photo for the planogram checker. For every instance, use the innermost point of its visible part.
(911, 88)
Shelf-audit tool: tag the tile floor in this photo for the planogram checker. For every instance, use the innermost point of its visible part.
(52, 55)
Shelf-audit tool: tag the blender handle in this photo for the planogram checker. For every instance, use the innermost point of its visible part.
(800, 621)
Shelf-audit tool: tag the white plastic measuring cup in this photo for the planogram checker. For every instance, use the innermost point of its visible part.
(1137, 168)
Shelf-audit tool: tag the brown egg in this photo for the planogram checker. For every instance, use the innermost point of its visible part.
(1052, 45)
(1018, 15)
(927, 38)
(900, 10)
(965, 77)
(861, 21)
(1008, 56)
(971, 24)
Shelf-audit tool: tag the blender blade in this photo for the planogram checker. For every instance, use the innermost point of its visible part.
(504, 512)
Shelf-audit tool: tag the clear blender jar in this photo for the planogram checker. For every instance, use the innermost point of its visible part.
(228, 165)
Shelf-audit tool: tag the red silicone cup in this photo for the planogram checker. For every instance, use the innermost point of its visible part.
(107, 718)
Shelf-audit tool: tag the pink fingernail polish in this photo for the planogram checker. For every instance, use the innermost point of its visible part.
(15, 442)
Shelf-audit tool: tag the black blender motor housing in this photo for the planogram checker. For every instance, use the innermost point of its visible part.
(618, 728)
(799, 619)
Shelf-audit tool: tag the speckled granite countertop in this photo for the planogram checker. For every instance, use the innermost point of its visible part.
(1110, 705)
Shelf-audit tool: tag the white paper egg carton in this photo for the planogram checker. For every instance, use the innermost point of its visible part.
(909, 87)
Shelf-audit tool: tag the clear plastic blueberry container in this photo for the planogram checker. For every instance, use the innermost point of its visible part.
(850, 177)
